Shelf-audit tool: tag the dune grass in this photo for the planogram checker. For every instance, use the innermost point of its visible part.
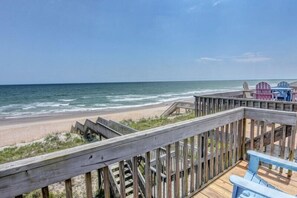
(51, 143)
(148, 123)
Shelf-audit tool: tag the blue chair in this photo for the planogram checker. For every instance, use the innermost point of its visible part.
(284, 95)
(252, 185)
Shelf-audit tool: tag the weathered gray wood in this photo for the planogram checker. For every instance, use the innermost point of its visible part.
(92, 156)
(252, 134)
(222, 145)
(227, 132)
(168, 171)
(45, 192)
(271, 116)
(211, 164)
(106, 182)
(199, 162)
(148, 183)
(177, 170)
(135, 177)
(122, 179)
(158, 173)
(217, 141)
(205, 155)
(88, 180)
(68, 188)
(185, 165)
(192, 164)
(292, 147)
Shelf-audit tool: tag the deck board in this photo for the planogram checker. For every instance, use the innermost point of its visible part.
(222, 187)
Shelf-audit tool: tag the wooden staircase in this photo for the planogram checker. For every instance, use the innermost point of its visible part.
(108, 129)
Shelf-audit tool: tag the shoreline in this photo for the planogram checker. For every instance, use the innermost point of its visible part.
(21, 130)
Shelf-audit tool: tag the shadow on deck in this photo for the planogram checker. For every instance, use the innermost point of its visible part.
(222, 187)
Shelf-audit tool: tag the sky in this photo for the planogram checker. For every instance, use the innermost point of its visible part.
(61, 41)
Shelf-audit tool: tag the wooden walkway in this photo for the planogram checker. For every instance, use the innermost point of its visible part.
(222, 187)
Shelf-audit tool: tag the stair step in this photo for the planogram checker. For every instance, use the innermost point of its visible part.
(128, 182)
(117, 173)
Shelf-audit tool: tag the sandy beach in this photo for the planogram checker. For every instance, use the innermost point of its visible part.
(14, 131)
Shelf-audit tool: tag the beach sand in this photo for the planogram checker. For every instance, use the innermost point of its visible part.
(16, 131)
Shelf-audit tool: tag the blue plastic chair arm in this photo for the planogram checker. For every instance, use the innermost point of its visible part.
(257, 188)
(274, 160)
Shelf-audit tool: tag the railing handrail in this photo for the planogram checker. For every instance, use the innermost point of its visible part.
(245, 99)
(32, 173)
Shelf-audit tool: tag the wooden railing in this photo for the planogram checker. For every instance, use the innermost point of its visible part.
(205, 105)
(211, 145)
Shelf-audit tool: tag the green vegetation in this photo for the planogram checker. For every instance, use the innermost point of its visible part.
(51, 143)
(148, 123)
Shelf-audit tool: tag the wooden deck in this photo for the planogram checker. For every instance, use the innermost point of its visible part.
(222, 187)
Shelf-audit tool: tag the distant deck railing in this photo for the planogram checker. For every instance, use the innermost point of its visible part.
(211, 145)
(205, 105)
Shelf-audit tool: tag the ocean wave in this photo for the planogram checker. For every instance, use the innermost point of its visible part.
(66, 100)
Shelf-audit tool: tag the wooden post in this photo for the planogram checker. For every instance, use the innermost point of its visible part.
(205, 155)
(148, 183)
(45, 192)
(272, 142)
(106, 182)
(168, 171)
(192, 164)
(177, 172)
(199, 162)
(88, 179)
(185, 158)
(135, 177)
(122, 179)
(68, 188)
(158, 173)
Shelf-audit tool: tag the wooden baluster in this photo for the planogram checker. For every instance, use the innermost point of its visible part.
(199, 163)
(217, 141)
(185, 165)
(292, 147)
(222, 142)
(222, 105)
(106, 182)
(148, 176)
(88, 180)
(135, 176)
(272, 142)
(177, 172)
(192, 164)
(243, 140)
(168, 171)
(227, 137)
(211, 162)
(205, 154)
(263, 129)
(235, 136)
(231, 144)
(283, 145)
(198, 110)
(158, 173)
(122, 179)
(68, 188)
(252, 134)
(45, 192)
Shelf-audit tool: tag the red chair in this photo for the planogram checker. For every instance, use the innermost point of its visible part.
(263, 91)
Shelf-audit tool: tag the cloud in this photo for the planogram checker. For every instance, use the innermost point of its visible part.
(248, 57)
(192, 8)
(208, 59)
(251, 57)
(215, 3)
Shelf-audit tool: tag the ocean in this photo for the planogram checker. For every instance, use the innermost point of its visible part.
(18, 101)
